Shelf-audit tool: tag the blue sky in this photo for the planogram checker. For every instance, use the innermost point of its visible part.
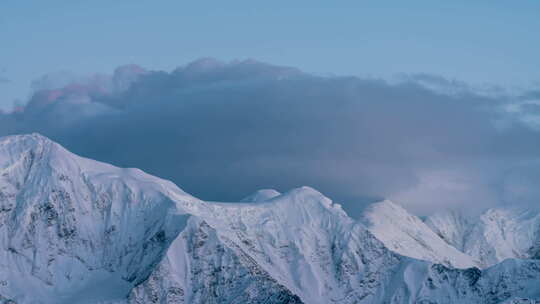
(475, 41)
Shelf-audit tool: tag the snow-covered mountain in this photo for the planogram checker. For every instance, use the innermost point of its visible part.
(454, 239)
(300, 247)
(260, 196)
(493, 236)
(74, 230)
(408, 235)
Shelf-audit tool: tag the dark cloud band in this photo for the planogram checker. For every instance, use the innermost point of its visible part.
(222, 130)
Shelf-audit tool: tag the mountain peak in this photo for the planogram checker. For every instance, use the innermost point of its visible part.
(31, 138)
(21, 152)
(408, 235)
(388, 205)
(307, 195)
(67, 212)
(75, 230)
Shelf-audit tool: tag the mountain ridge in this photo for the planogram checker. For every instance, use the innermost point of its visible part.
(74, 230)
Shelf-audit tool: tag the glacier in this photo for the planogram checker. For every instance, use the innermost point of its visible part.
(74, 230)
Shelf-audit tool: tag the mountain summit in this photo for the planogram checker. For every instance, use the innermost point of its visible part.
(74, 230)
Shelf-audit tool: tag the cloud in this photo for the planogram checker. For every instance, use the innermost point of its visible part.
(222, 130)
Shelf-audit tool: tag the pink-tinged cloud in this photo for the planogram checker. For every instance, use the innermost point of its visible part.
(88, 89)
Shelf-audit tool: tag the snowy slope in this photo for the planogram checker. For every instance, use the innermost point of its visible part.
(493, 236)
(200, 268)
(452, 226)
(301, 247)
(261, 196)
(454, 239)
(299, 243)
(73, 230)
(408, 235)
